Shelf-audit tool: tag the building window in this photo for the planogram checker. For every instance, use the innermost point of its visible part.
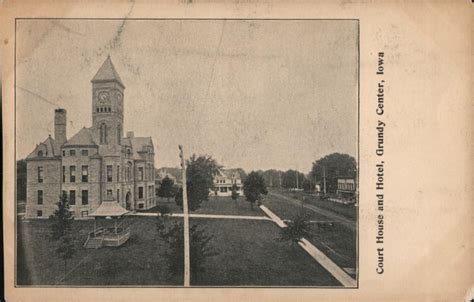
(39, 213)
(40, 153)
(140, 173)
(109, 193)
(72, 152)
(72, 173)
(97, 109)
(103, 133)
(109, 173)
(85, 152)
(128, 172)
(84, 213)
(85, 197)
(72, 197)
(118, 173)
(64, 152)
(118, 195)
(85, 173)
(140, 192)
(40, 197)
(40, 174)
(64, 173)
(140, 206)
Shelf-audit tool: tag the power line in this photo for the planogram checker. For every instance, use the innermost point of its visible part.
(38, 96)
(215, 60)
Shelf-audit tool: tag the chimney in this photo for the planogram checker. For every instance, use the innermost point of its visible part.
(60, 122)
(130, 134)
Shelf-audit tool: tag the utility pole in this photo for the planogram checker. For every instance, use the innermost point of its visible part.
(187, 270)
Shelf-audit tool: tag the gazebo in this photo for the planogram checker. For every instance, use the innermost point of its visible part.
(111, 236)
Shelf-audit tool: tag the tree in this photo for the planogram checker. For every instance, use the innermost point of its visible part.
(21, 180)
(296, 229)
(289, 179)
(61, 231)
(334, 165)
(200, 248)
(254, 187)
(199, 180)
(272, 178)
(166, 188)
(163, 210)
(308, 186)
(235, 194)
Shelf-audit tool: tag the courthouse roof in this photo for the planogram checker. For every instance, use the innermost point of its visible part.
(107, 73)
(81, 138)
(109, 208)
(49, 147)
(138, 144)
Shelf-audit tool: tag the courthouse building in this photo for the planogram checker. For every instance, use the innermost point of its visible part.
(97, 163)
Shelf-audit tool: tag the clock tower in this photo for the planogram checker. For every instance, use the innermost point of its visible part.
(107, 105)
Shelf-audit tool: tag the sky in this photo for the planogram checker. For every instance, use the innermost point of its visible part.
(253, 94)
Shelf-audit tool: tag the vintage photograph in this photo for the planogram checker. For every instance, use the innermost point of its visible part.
(187, 152)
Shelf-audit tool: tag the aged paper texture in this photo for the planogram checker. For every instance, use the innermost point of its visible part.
(256, 151)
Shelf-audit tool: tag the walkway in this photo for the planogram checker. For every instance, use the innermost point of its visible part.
(319, 256)
(331, 215)
(211, 216)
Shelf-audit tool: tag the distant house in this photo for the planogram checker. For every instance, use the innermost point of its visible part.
(224, 179)
(346, 188)
(172, 173)
(161, 173)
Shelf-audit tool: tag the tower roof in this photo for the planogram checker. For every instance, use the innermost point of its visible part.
(107, 73)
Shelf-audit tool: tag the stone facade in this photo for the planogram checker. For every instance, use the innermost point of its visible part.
(96, 163)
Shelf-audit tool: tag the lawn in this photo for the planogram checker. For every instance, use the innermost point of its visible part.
(348, 211)
(288, 210)
(335, 240)
(247, 255)
(215, 205)
(135, 262)
(250, 255)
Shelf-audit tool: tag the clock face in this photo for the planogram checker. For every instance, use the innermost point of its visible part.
(103, 97)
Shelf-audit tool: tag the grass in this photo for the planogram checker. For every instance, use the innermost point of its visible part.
(335, 240)
(136, 262)
(215, 205)
(248, 255)
(288, 210)
(348, 211)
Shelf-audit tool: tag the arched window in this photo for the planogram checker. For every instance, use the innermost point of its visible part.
(103, 133)
(40, 153)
